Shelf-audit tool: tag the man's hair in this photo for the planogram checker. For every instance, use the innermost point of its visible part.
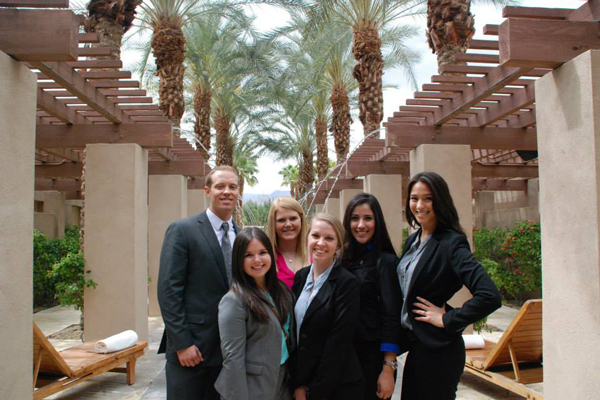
(209, 177)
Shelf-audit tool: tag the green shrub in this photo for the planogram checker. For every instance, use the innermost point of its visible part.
(70, 277)
(58, 270)
(512, 258)
(256, 213)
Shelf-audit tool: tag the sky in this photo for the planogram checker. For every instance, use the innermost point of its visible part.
(268, 17)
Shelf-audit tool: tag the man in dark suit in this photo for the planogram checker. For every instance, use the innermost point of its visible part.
(194, 274)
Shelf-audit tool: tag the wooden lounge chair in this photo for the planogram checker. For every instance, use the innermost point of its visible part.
(54, 371)
(516, 359)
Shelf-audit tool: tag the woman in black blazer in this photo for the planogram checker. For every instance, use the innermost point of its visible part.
(370, 256)
(324, 365)
(436, 262)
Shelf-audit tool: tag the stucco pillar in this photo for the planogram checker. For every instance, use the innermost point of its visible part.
(484, 201)
(453, 163)
(388, 190)
(533, 192)
(54, 203)
(568, 128)
(116, 239)
(345, 196)
(332, 207)
(18, 88)
(167, 202)
(196, 201)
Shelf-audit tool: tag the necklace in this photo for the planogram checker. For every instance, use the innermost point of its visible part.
(290, 260)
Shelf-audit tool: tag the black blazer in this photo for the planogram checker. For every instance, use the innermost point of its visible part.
(191, 282)
(325, 358)
(374, 271)
(445, 266)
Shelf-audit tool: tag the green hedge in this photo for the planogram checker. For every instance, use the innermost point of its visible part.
(58, 270)
(512, 258)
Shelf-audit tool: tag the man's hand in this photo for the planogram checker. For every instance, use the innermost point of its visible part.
(190, 356)
(301, 393)
(385, 383)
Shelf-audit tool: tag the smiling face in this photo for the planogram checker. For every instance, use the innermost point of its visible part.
(223, 193)
(257, 262)
(322, 242)
(421, 205)
(362, 223)
(287, 225)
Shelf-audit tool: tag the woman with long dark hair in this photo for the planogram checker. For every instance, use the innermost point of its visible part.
(254, 324)
(370, 256)
(436, 262)
(325, 365)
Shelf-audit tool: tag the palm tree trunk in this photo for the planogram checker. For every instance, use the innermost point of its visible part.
(341, 121)
(450, 25)
(168, 46)
(111, 36)
(202, 98)
(224, 143)
(321, 136)
(305, 173)
(369, 72)
(238, 212)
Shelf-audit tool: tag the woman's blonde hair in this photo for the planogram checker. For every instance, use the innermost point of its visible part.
(337, 226)
(290, 204)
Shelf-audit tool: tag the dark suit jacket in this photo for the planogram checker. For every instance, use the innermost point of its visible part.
(325, 358)
(444, 267)
(191, 282)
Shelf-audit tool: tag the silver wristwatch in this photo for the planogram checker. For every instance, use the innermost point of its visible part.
(392, 364)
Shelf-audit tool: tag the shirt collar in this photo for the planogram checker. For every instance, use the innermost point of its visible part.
(321, 278)
(215, 221)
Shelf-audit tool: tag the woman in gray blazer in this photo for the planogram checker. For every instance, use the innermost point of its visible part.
(254, 324)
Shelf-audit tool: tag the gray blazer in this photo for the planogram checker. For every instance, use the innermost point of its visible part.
(191, 282)
(251, 353)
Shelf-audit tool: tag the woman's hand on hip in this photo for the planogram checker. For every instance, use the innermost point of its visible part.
(301, 393)
(429, 312)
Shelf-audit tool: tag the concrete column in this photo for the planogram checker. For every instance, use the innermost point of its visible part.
(568, 128)
(388, 190)
(116, 239)
(167, 202)
(73, 212)
(196, 201)
(533, 192)
(332, 207)
(453, 163)
(484, 201)
(345, 196)
(54, 203)
(17, 149)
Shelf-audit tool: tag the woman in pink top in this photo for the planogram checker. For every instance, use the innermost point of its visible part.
(287, 229)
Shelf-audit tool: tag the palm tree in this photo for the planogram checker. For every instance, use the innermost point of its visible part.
(289, 174)
(368, 19)
(111, 19)
(450, 25)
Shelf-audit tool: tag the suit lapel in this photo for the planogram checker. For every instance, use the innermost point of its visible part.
(430, 248)
(209, 235)
(324, 293)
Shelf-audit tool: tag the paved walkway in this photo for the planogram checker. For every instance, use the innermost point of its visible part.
(150, 377)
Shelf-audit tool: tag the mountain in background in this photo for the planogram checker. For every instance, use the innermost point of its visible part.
(261, 198)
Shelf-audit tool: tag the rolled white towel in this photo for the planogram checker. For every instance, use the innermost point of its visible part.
(473, 341)
(116, 342)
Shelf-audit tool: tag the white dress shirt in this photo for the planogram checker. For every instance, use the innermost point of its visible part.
(216, 224)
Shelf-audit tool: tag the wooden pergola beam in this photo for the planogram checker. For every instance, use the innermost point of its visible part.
(342, 183)
(545, 43)
(24, 38)
(78, 136)
(521, 99)
(71, 80)
(63, 185)
(504, 171)
(196, 182)
(478, 138)
(186, 168)
(63, 170)
(49, 104)
(360, 168)
(536, 12)
(480, 184)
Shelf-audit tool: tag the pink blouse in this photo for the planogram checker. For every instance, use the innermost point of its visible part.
(284, 274)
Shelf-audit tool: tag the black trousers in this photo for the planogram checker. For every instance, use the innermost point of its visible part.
(433, 374)
(346, 391)
(191, 383)
(371, 362)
